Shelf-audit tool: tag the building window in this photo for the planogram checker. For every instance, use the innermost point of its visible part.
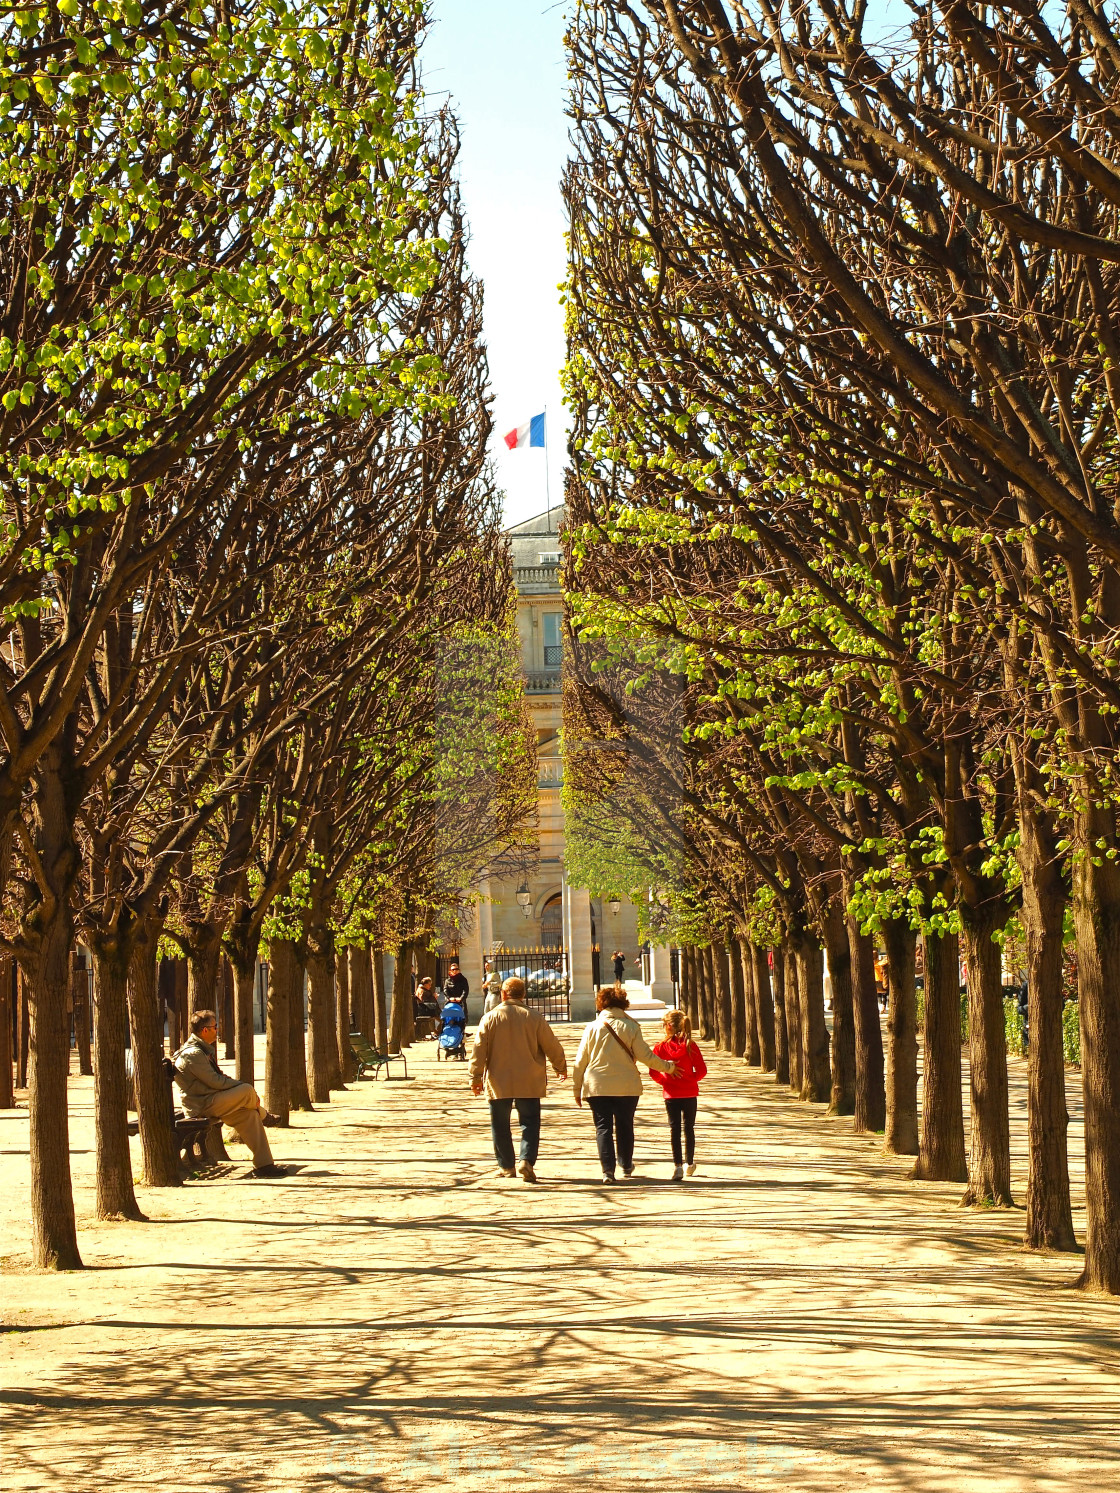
(552, 558)
(553, 652)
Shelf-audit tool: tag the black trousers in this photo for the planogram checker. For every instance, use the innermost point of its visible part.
(682, 1111)
(614, 1116)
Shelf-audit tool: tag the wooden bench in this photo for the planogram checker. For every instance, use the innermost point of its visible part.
(367, 1059)
(198, 1138)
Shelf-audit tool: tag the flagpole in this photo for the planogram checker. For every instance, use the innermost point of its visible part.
(547, 491)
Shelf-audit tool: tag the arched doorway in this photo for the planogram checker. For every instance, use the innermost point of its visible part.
(552, 925)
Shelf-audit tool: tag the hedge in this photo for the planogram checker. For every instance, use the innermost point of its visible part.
(1015, 1028)
(1071, 1032)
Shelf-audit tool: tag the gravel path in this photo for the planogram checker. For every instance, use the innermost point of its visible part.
(798, 1315)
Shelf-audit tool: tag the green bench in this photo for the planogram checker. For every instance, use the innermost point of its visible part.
(367, 1059)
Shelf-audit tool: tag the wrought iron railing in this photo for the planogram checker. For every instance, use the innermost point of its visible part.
(553, 655)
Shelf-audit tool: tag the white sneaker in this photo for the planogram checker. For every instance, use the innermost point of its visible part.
(526, 1172)
(609, 1178)
(691, 1168)
(678, 1174)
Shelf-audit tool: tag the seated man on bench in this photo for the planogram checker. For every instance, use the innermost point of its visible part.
(209, 1092)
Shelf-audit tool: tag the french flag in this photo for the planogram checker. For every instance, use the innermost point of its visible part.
(529, 434)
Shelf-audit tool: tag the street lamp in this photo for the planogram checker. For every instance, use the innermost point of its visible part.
(525, 899)
(615, 906)
(527, 909)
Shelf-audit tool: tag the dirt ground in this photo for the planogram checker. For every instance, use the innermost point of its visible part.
(799, 1315)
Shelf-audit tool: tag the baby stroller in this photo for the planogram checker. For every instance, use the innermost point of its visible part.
(453, 1033)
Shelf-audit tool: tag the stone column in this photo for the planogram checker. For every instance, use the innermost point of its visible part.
(485, 917)
(578, 937)
(661, 975)
(471, 963)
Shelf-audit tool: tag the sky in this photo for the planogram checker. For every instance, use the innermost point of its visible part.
(502, 64)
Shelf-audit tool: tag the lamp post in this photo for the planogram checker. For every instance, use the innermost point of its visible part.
(525, 899)
(615, 906)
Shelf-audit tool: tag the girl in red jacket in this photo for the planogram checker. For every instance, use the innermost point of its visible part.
(681, 1088)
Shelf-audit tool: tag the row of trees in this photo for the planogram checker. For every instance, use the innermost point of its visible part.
(845, 543)
(258, 685)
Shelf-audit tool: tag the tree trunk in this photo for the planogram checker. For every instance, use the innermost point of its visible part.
(738, 1021)
(7, 1017)
(342, 1016)
(842, 1092)
(901, 1134)
(284, 978)
(380, 1003)
(816, 1077)
(400, 1023)
(744, 1041)
(1096, 916)
(793, 1018)
(182, 999)
(54, 1233)
(690, 995)
(871, 1098)
(941, 1143)
(244, 973)
(176, 1032)
(989, 1162)
(298, 1093)
(154, 1103)
(228, 1014)
(708, 1028)
(203, 957)
(322, 1045)
(764, 1006)
(116, 1196)
(1049, 1217)
(722, 977)
(360, 961)
(79, 1000)
(23, 1021)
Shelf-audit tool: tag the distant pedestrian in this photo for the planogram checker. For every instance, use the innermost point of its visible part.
(606, 1075)
(509, 1052)
(493, 984)
(682, 1090)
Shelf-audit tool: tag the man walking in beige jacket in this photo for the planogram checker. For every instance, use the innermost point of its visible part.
(509, 1052)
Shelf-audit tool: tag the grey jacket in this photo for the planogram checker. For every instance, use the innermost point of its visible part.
(198, 1075)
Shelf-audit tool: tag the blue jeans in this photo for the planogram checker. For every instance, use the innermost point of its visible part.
(529, 1118)
(614, 1115)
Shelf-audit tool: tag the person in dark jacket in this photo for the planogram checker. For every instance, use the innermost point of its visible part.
(619, 965)
(456, 986)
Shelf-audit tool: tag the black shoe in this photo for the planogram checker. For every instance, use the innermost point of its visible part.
(270, 1169)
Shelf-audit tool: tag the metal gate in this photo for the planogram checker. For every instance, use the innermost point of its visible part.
(544, 968)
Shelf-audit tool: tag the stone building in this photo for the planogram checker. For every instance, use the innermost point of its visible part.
(556, 925)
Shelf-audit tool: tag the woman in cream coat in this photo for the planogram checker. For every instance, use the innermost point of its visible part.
(606, 1075)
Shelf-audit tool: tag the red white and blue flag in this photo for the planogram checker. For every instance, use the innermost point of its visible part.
(529, 434)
